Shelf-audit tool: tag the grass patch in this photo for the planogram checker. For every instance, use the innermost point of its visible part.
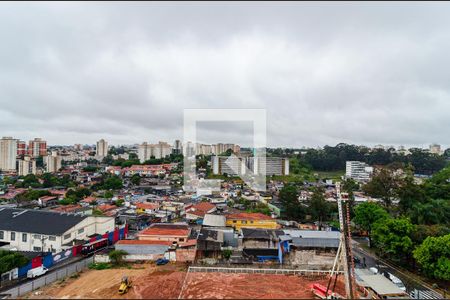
(99, 266)
(330, 174)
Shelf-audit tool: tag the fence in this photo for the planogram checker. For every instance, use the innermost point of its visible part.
(259, 271)
(58, 274)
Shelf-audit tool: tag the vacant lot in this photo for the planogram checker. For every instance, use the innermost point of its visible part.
(171, 281)
(148, 282)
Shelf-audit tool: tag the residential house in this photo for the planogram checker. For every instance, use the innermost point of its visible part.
(46, 201)
(198, 211)
(175, 233)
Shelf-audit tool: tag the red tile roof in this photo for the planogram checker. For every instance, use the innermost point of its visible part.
(47, 198)
(189, 243)
(89, 199)
(203, 206)
(147, 205)
(67, 208)
(143, 242)
(248, 216)
(106, 207)
(166, 230)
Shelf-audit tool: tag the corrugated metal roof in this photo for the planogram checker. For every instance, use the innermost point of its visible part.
(312, 233)
(315, 242)
(381, 285)
(214, 220)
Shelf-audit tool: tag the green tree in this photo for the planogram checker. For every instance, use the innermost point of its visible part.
(116, 256)
(383, 185)
(319, 207)
(367, 214)
(108, 195)
(226, 253)
(10, 260)
(135, 179)
(392, 238)
(292, 209)
(434, 211)
(433, 255)
(409, 194)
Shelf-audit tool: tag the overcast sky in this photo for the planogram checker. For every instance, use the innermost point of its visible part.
(363, 73)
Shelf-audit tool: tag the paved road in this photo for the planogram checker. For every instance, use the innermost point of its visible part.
(410, 282)
(54, 268)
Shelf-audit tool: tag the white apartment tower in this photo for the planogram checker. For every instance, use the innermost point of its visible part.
(358, 170)
(26, 166)
(8, 154)
(52, 162)
(102, 149)
(146, 151)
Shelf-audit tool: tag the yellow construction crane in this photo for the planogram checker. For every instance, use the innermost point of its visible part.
(125, 284)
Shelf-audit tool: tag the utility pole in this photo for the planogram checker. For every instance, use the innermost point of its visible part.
(43, 238)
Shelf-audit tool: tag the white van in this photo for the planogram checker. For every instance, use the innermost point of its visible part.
(36, 272)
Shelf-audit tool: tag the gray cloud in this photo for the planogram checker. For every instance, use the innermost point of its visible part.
(363, 73)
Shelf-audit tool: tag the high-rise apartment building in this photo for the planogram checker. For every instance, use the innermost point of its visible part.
(52, 162)
(8, 154)
(177, 147)
(21, 148)
(37, 147)
(358, 170)
(102, 149)
(240, 165)
(146, 151)
(26, 166)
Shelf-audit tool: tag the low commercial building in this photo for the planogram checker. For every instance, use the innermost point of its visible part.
(37, 230)
(250, 220)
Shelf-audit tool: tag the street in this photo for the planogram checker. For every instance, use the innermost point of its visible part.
(411, 283)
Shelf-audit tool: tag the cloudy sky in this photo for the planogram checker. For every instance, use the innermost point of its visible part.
(363, 73)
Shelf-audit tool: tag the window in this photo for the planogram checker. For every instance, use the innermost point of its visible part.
(52, 238)
(2, 235)
(36, 248)
(181, 240)
(80, 230)
(36, 236)
(13, 236)
(234, 221)
(53, 250)
(24, 237)
(67, 236)
(244, 222)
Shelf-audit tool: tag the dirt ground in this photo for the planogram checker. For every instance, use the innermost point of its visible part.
(170, 281)
(148, 281)
(250, 286)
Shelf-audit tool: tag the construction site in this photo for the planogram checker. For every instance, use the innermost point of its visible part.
(174, 281)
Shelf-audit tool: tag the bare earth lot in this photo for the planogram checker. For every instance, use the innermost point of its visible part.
(170, 282)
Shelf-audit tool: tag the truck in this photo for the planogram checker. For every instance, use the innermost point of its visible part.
(35, 272)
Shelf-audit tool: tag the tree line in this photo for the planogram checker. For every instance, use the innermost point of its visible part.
(331, 158)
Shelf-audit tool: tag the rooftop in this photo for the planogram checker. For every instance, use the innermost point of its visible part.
(163, 229)
(248, 216)
(37, 221)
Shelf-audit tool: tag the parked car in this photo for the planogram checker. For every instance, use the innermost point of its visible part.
(161, 261)
(35, 272)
